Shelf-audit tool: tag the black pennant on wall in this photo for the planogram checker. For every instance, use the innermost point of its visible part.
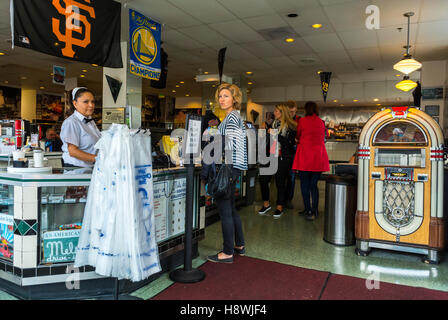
(221, 58)
(114, 86)
(325, 83)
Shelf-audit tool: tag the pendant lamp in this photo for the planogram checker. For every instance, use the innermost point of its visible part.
(407, 65)
(406, 84)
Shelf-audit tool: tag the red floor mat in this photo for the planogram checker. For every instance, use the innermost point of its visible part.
(250, 279)
(341, 287)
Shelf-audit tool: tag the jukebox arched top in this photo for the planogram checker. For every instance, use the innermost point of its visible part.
(400, 132)
(412, 120)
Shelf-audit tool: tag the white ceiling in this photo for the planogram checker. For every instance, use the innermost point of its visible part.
(193, 31)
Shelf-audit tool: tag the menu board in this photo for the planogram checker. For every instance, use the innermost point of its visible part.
(169, 207)
(160, 209)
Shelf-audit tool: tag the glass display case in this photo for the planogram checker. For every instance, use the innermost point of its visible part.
(61, 214)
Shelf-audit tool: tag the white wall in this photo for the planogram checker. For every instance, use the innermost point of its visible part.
(363, 91)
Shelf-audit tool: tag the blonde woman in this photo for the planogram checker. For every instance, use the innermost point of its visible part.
(233, 132)
(286, 129)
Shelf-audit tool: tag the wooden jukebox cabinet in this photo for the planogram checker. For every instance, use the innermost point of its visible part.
(400, 184)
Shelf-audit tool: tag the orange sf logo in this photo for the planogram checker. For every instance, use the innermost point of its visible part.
(72, 23)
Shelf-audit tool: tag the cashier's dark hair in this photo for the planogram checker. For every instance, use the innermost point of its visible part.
(78, 93)
(311, 108)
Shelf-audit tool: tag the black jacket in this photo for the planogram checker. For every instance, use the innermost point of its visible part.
(287, 143)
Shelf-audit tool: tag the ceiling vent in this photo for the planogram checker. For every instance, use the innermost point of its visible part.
(278, 33)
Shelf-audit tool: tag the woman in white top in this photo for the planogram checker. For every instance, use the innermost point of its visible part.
(79, 133)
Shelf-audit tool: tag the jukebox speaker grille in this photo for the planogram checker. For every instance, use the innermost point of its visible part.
(398, 207)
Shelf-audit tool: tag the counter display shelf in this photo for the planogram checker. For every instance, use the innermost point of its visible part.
(54, 159)
(40, 222)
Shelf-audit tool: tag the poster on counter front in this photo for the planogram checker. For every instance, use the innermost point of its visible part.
(60, 245)
(144, 51)
(6, 235)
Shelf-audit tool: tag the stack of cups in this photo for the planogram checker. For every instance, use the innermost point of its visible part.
(38, 157)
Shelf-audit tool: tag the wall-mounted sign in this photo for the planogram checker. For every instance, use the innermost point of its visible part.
(113, 115)
(58, 75)
(432, 110)
(432, 93)
(60, 246)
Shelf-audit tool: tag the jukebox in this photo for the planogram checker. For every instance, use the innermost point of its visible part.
(400, 184)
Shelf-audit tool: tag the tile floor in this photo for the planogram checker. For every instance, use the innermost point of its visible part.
(293, 240)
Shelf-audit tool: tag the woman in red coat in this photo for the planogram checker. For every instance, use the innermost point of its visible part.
(311, 157)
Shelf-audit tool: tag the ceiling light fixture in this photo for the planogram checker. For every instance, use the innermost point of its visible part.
(355, 100)
(316, 26)
(407, 65)
(249, 72)
(376, 99)
(406, 84)
(289, 40)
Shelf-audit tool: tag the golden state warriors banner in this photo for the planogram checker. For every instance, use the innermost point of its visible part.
(82, 30)
(144, 51)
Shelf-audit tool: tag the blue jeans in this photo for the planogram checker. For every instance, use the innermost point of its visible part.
(308, 184)
(232, 229)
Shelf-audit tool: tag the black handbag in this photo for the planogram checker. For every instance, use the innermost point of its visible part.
(220, 186)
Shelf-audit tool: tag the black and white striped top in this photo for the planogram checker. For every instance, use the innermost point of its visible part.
(233, 130)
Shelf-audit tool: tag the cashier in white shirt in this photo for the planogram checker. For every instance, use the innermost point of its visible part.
(79, 133)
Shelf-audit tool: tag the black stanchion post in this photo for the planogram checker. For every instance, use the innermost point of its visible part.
(188, 274)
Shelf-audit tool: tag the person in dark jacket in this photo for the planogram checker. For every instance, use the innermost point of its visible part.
(285, 128)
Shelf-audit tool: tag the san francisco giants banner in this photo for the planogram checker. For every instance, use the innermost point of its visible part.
(144, 51)
(325, 83)
(82, 30)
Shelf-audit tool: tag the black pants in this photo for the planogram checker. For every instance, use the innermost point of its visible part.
(265, 181)
(232, 229)
(281, 179)
(308, 184)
